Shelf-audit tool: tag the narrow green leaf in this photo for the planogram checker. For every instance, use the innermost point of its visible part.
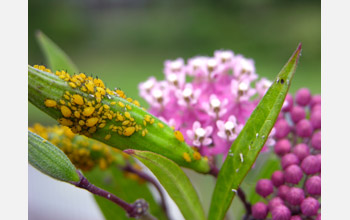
(50, 160)
(113, 180)
(250, 141)
(57, 59)
(175, 182)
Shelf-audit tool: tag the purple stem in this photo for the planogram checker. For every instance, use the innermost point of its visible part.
(148, 178)
(137, 209)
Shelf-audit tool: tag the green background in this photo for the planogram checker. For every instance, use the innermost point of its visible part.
(125, 42)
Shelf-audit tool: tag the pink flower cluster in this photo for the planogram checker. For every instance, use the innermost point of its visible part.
(208, 98)
(294, 191)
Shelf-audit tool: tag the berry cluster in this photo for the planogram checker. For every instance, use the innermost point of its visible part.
(194, 98)
(294, 192)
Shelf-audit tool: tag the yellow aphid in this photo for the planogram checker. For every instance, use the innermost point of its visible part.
(78, 99)
(121, 104)
(107, 137)
(144, 123)
(129, 99)
(113, 103)
(98, 96)
(66, 97)
(126, 122)
(127, 114)
(197, 155)
(179, 136)
(143, 133)
(62, 102)
(92, 130)
(120, 117)
(65, 122)
(187, 157)
(102, 164)
(50, 103)
(129, 131)
(99, 83)
(160, 125)
(91, 121)
(105, 106)
(128, 107)
(66, 112)
(83, 88)
(136, 103)
(88, 111)
(102, 125)
(90, 86)
(152, 121)
(81, 122)
(77, 114)
(72, 84)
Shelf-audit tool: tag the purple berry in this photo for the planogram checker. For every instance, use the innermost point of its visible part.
(277, 178)
(318, 217)
(297, 114)
(282, 191)
(288, 103)
(273, 203)
(295, 196)
(311, 165)
(313, 185)
(301, 151)
(259, 210)
(282, 147)
(310, 206)
(303, 97)
(281, 212)
(316, 140)
(288, 160)
(304, 128)
(315, 119)
(296, 217)
(293, 174)
(264, 187)
(282, 129)
(315, 100)
(316, 108)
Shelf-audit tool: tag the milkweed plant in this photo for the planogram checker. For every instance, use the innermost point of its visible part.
(211, 114)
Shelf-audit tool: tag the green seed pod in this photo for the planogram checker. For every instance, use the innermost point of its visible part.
(50, 160)
(87, 107)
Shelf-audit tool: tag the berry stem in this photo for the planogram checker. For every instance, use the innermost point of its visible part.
(136, 210)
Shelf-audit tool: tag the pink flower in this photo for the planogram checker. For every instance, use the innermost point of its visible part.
(215, 108)
(262, 86)
(200, 136)
(228, 130)
(187, 96)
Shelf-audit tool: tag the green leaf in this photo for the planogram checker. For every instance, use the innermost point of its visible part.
(57, 59)
(175, 182)
(50, 160)
(250, 141)
(114, 181)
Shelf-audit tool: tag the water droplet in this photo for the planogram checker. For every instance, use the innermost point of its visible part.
(278, 79)
(230, 154)
(241, 156)
(237, 170)
(263, 136)
(257, 135)
(234, 190)
(249, 147)
(109, 195)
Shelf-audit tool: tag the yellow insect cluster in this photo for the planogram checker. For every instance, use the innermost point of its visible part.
(84, 153)
(90, 108)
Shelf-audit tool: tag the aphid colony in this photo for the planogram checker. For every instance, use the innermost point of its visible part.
(84, 153)
(90, 108)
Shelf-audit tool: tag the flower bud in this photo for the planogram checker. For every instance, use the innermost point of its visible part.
(310, 206)
(304, 128)
(303, 97)
(316, 107)
(288, 103)
(311, 165)
(315, 100)
(313, 185)
(273, 203)
(296, 217)
(259, 210)
(316, 140)
(297, 114)
(315, 119)
(295, 196)
(277, 178)
(282, 191)
(282, 147)
(293, 174)
(318, 217)
(264, 187)
(301, 151)
(282, 128)
(288, 160)
(281, 212)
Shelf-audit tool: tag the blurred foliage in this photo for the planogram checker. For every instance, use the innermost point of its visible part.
(126, 41)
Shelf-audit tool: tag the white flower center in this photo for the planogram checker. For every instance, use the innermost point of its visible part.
(229, 125)
(200, 132)
(215, 103)
(176, 65)
(243, 87)
(197, 63)
(157, 93)
(267, 83)
(212, 63)
(225, 55)
(172, 77)
(148, 84)
(187, 92)
(246, 67)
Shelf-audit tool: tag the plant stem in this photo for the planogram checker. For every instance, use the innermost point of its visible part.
(215, 171)
(137, 209)
(148, 178)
